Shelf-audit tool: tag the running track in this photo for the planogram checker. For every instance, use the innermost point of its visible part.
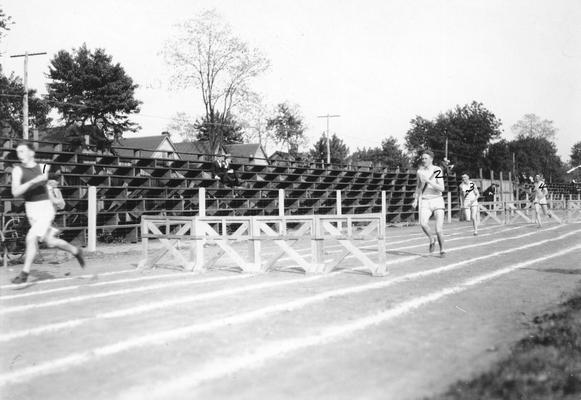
(118, 333)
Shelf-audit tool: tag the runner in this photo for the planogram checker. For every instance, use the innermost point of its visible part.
(469, 200)
(428, 197)
(29, 182)
(540, 193)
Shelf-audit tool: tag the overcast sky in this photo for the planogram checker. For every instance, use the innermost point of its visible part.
(377, 63)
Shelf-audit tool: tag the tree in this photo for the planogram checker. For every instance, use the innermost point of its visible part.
(532, 126)
(576, 155)
(11, 117)
(393, 156)
(389, 155)
(537, 156)
(253, 117)
(229, 130)
(499, 156)
(339, 151)
(207, 56)
(5, 22)
(469, 129)
(287, 127)
(373, 155)
(184, 126)
(88, 89)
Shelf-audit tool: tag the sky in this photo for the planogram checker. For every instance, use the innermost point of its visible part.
(376, 63)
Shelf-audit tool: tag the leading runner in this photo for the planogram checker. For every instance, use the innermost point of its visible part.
(428, 197)
(29, 182)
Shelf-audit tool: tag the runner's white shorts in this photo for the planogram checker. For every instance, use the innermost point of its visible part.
(470, 203)
(40, 215)
(428, 206)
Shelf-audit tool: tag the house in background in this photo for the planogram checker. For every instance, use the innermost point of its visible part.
(281, 158)
(159, 146)
(247, 153)
(199, 150)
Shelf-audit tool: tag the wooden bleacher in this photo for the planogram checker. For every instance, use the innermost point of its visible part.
(129, 187)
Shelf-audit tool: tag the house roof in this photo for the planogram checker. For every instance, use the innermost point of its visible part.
(246, 150)
(281, 155)
(199, 147)
(148, 145)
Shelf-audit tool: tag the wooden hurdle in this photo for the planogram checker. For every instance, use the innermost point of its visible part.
(284, 231)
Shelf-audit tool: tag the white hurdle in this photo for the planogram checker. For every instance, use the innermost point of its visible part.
(284, 231)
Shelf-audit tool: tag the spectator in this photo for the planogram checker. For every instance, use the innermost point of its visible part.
(222, 171)
(446, 167)
(490, 192)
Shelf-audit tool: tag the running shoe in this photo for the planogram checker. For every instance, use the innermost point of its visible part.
(22, 278)
(79, 257)
(432, 246)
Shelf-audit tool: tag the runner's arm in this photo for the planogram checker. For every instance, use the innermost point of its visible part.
(418, 191)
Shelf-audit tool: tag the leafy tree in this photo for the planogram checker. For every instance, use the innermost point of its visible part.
(537, 155)
(532, 126)
(576, 154)
(373, 154)
(469, 129)
(11, 117)
(287, 127)
(229, 129)
(88, 89)
(393, 156)
(253, 116)
(499, 156)
(389, 155)
(5, 22)
(184, 126)
(206, 55)
(339, 151)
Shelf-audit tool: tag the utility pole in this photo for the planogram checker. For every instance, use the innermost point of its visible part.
(328, 135)
(25, 99)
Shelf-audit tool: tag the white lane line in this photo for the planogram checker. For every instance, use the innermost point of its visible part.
(372, 246)
(58, 280)
(468, 228)
(76, 299)
(96, 284)
(459, 238)
(165, 337)
(222, 367)
(135, 310)
(479, 244)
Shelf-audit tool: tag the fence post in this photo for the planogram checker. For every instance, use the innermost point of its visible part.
(449, 207)
(384, 205)
(501, 187)
(92, 219)
(202, 202)
(339, 210)
(281, 202)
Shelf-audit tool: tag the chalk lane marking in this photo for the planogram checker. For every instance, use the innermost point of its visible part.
(77, 299)
(58, 280)
(157, 305)
(181, 333)
(223, 367)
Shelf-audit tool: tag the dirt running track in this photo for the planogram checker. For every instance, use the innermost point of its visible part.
(112, 332)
